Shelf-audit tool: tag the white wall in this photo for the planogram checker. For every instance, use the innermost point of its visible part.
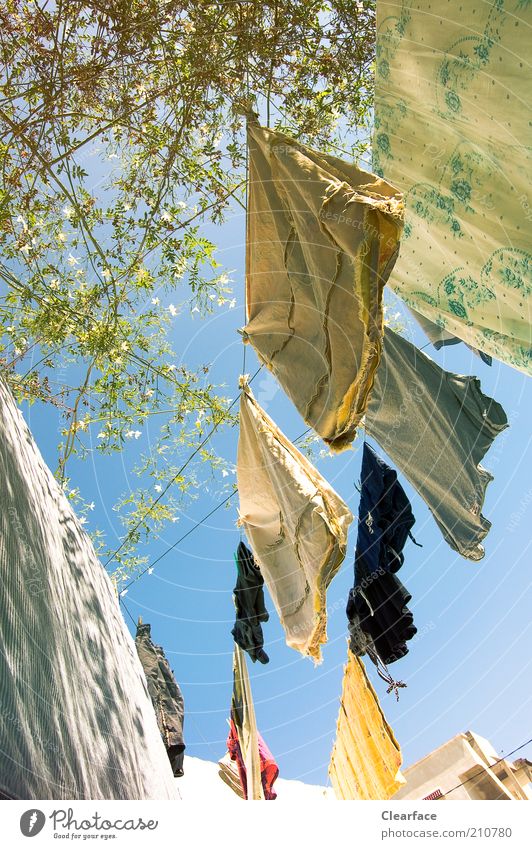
(76, 721)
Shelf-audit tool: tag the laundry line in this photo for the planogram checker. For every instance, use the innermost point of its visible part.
(172, 481)
(191, 530)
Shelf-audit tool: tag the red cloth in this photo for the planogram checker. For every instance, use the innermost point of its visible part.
(268, 767)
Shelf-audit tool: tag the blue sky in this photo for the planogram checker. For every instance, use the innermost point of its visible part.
(469, 666)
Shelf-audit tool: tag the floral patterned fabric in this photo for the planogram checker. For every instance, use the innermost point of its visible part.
(452, 131)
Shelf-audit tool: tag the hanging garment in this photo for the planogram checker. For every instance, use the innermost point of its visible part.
(295, 523)
(250, 609)
(166, 696)
(440, 337)
(244, 726)
(366, 758)
(436, 427)
(377, 604)
(452, 130)
(269, 770)
(322, 238)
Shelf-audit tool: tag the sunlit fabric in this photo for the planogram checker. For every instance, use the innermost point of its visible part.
(322, 238)
(452, 131)
(366, 758)
(295, 523)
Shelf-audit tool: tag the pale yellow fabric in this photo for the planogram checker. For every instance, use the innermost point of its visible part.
(295, 523)
(243, 716)
(322, 238)
(453, 131)
(366, 758)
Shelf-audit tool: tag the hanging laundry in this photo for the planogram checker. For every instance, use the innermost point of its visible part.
(295, 522)
(245, 729)
(250, 609)
(452, 131)
(436, 426)
(269, 770)
(440, 337)
(322, 238)
(165, 695)
(366, 758)
(377, 604)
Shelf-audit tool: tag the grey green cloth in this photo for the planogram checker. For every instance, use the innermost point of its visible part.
(166, 696)
(436, 427)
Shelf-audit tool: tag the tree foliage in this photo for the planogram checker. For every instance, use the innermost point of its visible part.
(121, 139)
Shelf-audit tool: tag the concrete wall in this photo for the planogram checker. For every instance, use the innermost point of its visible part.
(450, 765)
(76, 721)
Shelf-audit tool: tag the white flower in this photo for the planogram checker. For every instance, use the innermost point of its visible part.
(124, 592)
(133, 434)
(91, 506)
(54, 284)
(166, 216)
(62, 237)
(172, 310)
(82, 520)
(68, 211)
(195, 309)
(113, 156)
(106, 273)
(124, 346)
(181, 204)
(158, 487)
(25, 249)
(155, 301)
(232, 303)
(223, 279)
(21, 220)
(102, 435)
(225, 473)
(137, 434)
(72, 260)
(82, 425)
(150, 570)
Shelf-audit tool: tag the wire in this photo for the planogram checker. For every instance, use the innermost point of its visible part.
(175, 544)
(122, 602)
(504, 757)
(178, 473)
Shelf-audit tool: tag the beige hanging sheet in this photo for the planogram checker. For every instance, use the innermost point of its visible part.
(295, 523)
(322, 238)
(243, 716)
(366, 758)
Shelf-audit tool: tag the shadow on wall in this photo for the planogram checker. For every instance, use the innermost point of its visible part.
(76, 720)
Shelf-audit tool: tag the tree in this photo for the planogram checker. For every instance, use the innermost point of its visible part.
(155, 92)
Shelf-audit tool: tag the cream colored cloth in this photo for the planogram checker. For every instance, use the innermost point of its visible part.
(243, 716)
(295, 523)
(322, 239)
(366, 758)
(452, 130)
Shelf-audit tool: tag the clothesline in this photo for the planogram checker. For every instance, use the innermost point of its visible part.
(194, 527)
(178, 473)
